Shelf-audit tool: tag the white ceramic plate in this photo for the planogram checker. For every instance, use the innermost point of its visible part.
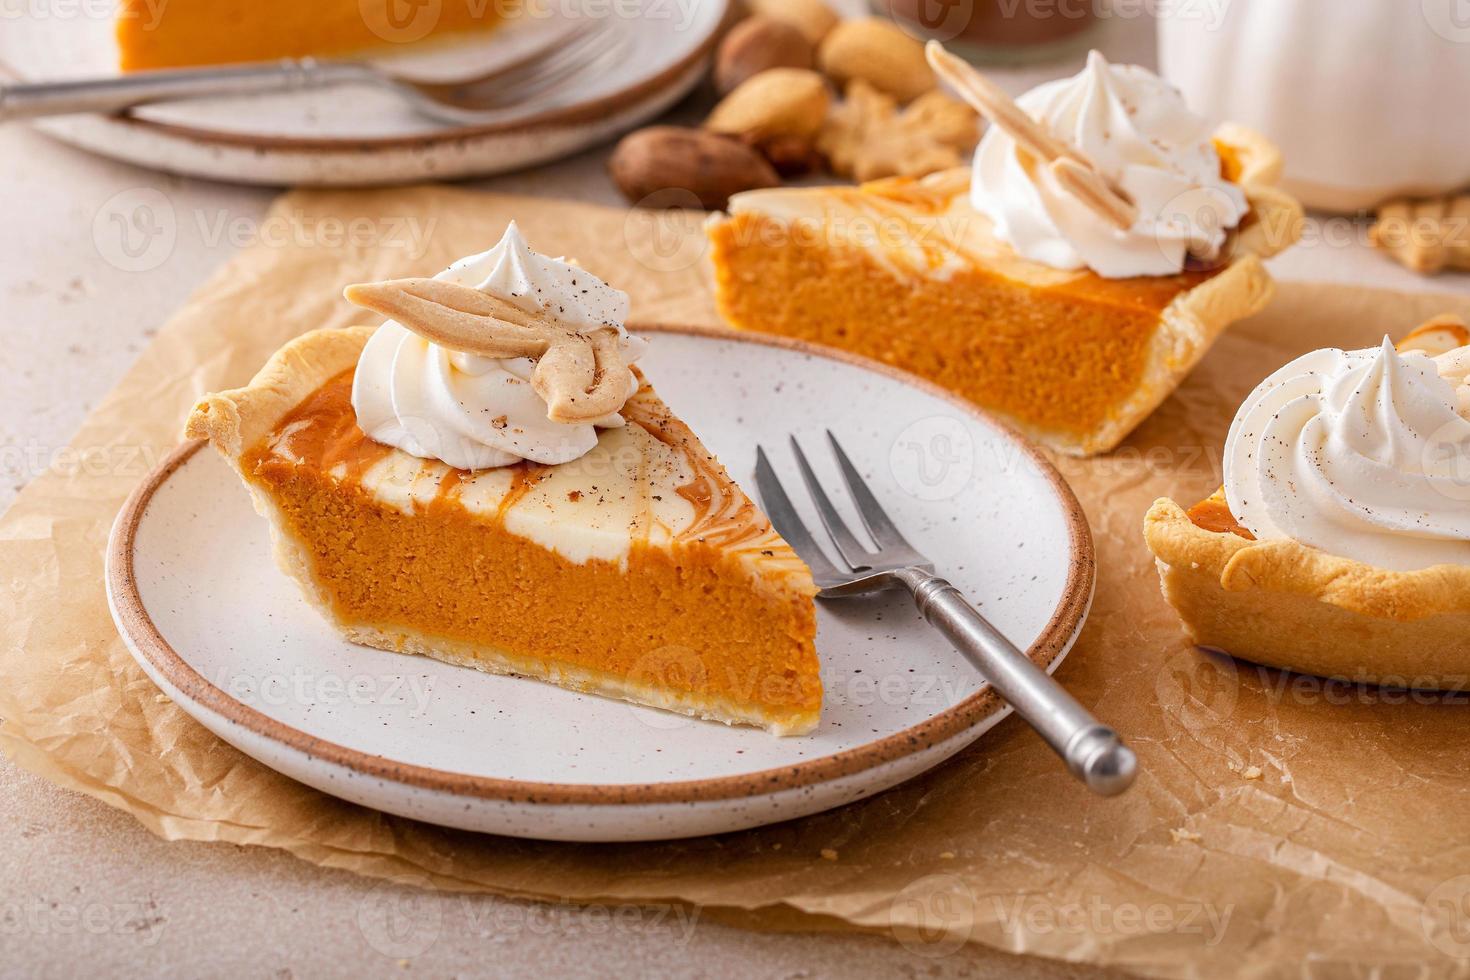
(202, 606)
(354, 135)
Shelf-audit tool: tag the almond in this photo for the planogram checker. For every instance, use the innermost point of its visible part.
(756, 44)
(812, 17)
(671, 166)
(877, 52)
(776, 102)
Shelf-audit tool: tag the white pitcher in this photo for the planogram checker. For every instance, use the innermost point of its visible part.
(1368, 99)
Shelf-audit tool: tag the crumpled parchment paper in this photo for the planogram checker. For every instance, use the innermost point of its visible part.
(1280, 827)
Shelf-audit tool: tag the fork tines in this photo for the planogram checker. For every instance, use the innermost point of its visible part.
(890, 551)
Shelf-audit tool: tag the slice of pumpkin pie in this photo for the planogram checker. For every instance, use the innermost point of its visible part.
(487, 480)
(1103, 241)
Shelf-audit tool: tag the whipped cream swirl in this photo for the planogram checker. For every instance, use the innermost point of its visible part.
(1364, 454)
(475, 412)
(1137, 132)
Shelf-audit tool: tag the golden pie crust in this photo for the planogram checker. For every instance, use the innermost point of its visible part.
(687, 599)
(1285, 604)
(905, 272)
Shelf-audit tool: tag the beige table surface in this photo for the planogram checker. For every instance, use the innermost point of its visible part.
(84, 890)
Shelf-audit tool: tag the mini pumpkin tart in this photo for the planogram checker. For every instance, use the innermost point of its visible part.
(179, 33)
(1340, 542)
(484, 479)
(1100, 246)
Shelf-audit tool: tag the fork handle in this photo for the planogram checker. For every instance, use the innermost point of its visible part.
(1093, 751)
(33, 100)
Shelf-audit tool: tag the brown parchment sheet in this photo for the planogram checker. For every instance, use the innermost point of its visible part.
(1279, 828)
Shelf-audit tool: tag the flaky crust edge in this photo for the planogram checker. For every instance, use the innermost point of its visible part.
(237, 419)
(492, 659)
(1292, 568)
(1190, 325)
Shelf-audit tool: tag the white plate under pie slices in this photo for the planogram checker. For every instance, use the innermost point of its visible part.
(359, 135)
(199, 601)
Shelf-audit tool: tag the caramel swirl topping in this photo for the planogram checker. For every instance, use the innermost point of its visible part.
(1437, 336)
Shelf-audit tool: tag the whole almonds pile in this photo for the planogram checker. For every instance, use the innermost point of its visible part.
(780, 72)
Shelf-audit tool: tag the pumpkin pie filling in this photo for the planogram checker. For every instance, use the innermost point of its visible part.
(414, 547)
(1061, 351)
(1102, 241)
(1213, 514)
(486, 479)
(906, 273)
(179, 33)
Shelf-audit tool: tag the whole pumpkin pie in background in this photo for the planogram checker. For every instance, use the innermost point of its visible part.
(484, 479)
(180, 33)
(1340, 542)
(1102, 242)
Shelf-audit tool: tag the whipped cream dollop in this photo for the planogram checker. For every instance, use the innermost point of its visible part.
(1137, 132)
(1364, 454)
(475, 412)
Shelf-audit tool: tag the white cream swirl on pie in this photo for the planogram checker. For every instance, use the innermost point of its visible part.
(473, 412)
(1363, 454)
(1136, 132)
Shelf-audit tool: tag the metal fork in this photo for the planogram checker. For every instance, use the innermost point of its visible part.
(507, 90)
(1092, 751)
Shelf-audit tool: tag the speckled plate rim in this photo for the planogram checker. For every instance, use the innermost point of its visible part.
(563, 116)
(1056, 639)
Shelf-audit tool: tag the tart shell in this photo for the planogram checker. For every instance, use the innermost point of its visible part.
(1284, 604)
